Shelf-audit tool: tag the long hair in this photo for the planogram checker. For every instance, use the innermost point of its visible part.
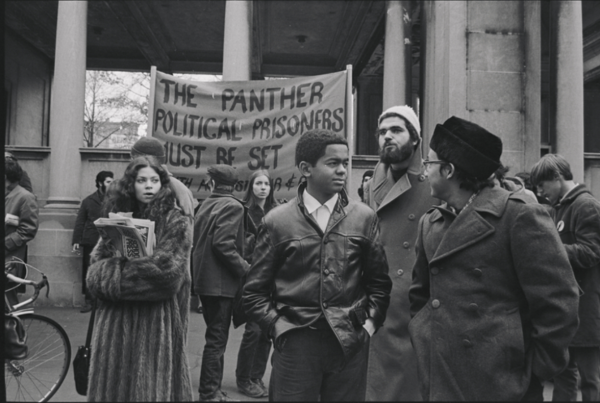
(120, 196)
(250, 198)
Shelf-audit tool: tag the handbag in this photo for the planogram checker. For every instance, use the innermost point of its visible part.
(81, 363)
(15, 338)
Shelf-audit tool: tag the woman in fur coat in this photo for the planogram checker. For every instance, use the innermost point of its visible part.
(140, 332)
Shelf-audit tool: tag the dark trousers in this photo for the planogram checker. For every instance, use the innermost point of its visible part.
(217, 315)
(85, 263)
(535, 392)
(254, 353)
(586, 361)
(309, 364)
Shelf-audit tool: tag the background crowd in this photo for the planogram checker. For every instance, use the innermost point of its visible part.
(446, 280)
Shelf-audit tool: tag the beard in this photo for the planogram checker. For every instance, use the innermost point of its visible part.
(396, 155)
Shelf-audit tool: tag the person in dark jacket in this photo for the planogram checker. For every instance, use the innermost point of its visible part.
(577, 216)
(219, 265)
(256, 345)
(367, 175)
(319, 284)
(20, 221)
(493, 299)
(85, 234)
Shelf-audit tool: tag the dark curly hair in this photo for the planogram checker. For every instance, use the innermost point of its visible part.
(313, 143)
(250, 198)
(12, 171)
(120, 196)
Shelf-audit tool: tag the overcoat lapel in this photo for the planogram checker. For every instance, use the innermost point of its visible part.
(470, 226)
(466, 229)
(384, 190)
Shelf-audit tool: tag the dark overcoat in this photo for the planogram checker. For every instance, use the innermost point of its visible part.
(392, 374)
(85, 232)
(140, 332)
(577, 219)
(219, 246)
(493, 299)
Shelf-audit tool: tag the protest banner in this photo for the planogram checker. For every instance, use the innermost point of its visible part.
(250, 125)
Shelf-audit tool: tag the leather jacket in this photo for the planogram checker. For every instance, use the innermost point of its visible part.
(300, 274)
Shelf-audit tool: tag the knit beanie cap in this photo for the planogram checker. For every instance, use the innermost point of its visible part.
(406, 112)
(468, 146)
(149, 146)
(223, 174)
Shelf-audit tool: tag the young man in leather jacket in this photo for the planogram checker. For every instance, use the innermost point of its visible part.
(319, 283)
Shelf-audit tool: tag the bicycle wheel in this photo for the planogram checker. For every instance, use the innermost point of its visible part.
(37, 377)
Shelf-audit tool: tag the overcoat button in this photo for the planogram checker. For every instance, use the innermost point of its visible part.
(477, 273)
(435, 270)
(473, 307)
(406, 245)
(326, 240)
(326, 272)
(421, 178)
(400, 272)
(435, 303)
(467, 343)
(411, 217)
(325, 305)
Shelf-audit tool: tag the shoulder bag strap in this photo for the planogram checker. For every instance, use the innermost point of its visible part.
(88, 339)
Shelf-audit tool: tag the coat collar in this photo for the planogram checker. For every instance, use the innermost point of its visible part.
(383, 187)
(470, 226)
(338, 213)
(573, 194)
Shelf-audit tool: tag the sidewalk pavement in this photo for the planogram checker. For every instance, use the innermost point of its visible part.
(76, 324)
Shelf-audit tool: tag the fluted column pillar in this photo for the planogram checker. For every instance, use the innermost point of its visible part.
(67, 104)
(569, 86)
(396, 57)
(237, 42)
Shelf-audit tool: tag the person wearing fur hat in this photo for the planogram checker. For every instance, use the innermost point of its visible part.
(493, 299)
(400, 196)
(143, 303)
(151, 147)
(218, 266)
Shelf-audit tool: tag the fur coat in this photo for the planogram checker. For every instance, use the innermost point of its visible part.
(140, 332)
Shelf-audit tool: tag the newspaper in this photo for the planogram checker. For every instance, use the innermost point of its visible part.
(131, 237)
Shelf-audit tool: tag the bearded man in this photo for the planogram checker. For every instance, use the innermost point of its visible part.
(400, 196)
(85, 234)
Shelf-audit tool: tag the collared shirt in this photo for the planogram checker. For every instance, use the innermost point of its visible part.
(320, 212)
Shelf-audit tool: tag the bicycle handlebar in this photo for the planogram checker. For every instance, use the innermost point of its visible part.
(37, 286)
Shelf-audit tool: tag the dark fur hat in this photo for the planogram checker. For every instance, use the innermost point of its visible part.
(149, 146)
(468, 146)
(223, 174)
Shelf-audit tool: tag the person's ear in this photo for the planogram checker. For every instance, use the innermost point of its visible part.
(211, 185)
(450, 169)
(305, 168)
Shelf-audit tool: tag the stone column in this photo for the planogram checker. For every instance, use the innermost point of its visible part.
(569, 86)
(66, 108)
(395, 77)
(51, 249)
(237, 42)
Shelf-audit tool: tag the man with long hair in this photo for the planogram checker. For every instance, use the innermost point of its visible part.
(576, 213)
